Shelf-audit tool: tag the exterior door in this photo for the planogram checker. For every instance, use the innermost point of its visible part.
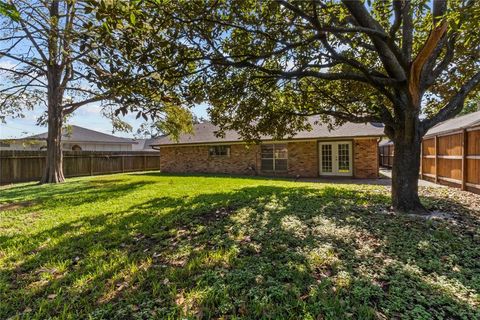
(335, 158)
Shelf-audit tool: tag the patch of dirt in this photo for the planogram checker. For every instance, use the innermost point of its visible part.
(16, 205)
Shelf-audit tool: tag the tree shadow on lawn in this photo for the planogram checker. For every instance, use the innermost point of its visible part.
(256, 252)
(71, 194)
(381, 181)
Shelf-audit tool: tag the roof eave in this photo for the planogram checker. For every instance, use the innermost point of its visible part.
(265, 140)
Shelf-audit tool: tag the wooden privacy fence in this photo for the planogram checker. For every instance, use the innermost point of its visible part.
(453, 159)
(450, 158)
(20, 166)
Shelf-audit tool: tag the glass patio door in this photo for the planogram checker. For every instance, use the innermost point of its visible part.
(335, 158)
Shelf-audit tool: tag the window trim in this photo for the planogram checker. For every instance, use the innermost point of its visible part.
(274, 158)
(228, 148)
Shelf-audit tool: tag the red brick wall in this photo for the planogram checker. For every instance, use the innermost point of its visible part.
(365, 158)
(196, 159)
(302, 159)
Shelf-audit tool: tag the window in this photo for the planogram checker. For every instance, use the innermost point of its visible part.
(343, 157)
(327, 165)
(219, 151)
(274, 157)
(76, 147)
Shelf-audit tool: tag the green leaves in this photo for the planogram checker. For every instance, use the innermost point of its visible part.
(9, 10)
(261, 64)
(132, 18)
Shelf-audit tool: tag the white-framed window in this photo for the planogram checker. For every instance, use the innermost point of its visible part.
(219, 151)
(274, 157)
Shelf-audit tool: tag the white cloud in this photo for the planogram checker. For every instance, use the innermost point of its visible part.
(7, 64)
(91, 109)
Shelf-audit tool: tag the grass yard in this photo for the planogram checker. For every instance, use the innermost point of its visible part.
(153, 246)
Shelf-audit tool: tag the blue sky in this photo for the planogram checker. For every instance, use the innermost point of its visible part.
(88, 116)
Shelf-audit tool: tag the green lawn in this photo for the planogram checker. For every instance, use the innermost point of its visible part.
(153, 246)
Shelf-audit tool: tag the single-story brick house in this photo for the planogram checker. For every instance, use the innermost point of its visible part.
(348, 150)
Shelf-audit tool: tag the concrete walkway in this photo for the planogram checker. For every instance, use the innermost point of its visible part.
(384, 180)
(387, 173)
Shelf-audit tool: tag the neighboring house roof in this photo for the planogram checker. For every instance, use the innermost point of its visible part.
(80, 134)
(205, 133)
(462, 122)
(144, 145)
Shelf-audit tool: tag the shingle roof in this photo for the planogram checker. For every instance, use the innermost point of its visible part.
(144, 145)
(462, 122)
(205, 133)
(80, 134)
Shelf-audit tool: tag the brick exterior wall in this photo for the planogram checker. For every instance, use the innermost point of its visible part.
(196, 159)
(303, 159)
(365, 158)
(245, 160)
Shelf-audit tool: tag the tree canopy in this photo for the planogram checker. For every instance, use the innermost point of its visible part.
(266, 62)
(264, 66)
(34, 38)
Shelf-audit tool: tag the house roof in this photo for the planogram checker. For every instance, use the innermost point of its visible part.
(144, 145)
(462, 122)
(205, 133)
(80, 134)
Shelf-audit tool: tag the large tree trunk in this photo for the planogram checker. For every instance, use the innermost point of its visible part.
(54, 167)
(405, 172)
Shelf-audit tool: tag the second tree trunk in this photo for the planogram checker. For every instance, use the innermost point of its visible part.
(405, 174)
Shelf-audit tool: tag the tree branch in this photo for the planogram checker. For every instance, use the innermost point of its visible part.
(439, 30)
(389, 57)
(71, 107)
(454, 106)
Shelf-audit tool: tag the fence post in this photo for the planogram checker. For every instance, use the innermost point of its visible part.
(14, 169)
(91, 164)
(123, 163)
(391, 150)
(436, 159)
(421, 159)
(464, 158)
(144, 163)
